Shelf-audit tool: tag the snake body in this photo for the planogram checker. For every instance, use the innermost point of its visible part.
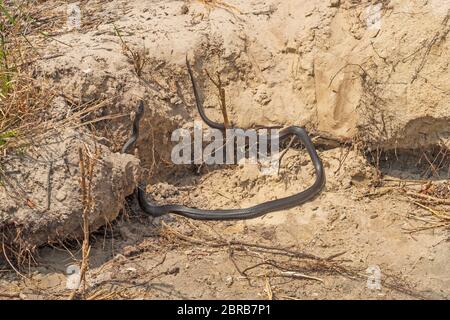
(135, 130)
(156, 210)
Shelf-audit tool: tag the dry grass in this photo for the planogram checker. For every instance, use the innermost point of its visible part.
(87, 162)
(277, 265)
(276, 271)
(221, 95)
(436, 161)
(433, 204)
(25, 27)
(22, 110)
(431, 200)
(138, 57)
(22, 98)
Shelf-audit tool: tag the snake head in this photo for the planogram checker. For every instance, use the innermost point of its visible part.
(140, 108)
(139, 112)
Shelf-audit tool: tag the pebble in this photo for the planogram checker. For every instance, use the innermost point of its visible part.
(229, 281)
(60, 195)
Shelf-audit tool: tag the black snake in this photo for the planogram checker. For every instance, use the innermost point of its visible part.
(230, 214)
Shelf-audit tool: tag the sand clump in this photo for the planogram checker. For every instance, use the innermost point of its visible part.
(41, 198)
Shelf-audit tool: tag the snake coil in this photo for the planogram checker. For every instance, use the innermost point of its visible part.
(156, 210)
